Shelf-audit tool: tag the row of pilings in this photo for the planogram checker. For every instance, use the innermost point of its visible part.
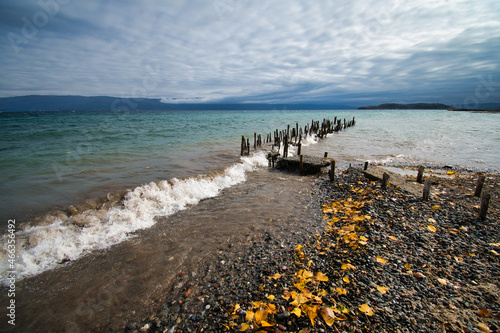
(294, 135)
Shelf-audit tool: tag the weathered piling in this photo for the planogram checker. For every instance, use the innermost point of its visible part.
(331, 173)
(385, 180)
(427, 190)
(485, 202)
(420, 175)
(479, 186)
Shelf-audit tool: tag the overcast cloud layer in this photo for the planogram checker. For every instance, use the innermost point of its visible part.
(351, 51)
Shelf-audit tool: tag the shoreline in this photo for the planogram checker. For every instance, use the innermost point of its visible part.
(421, 267)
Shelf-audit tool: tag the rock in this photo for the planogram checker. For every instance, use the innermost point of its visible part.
(311, 164)
(376, 174)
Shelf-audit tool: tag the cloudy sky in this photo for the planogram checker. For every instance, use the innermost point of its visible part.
(343, 51)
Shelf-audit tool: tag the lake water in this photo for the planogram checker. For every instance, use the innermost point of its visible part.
(172, 160)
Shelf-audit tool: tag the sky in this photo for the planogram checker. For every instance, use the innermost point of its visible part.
(356, 52)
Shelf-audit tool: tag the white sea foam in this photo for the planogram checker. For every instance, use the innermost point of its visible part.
(40, 248)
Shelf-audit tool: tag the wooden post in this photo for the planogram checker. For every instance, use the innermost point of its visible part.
(326, 154)
(485, 202)
(248, 146)
(301, 164)
(243, 146)
(479, 186)
(299, 148)
(254, 140)
(420, 175)
(385, 180)
(332, 171)
(366, 166)
(427, 190)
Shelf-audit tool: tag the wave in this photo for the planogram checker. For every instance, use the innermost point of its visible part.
(65, 238)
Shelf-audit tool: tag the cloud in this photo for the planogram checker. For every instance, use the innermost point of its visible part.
(229, 50)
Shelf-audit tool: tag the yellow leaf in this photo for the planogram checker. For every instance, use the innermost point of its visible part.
(495, 244)
(346, 279)
(306, 274)
(431, 220)
(493, 252)
(483, 328)
(266, 324)
(381, 260)
(348, 266)
(464, 228)
(459, 259)
(382, 290)
(312, 313)
(365, 308)
(328, 316)
(363, 238)
(286, 295)
(244, 327)
(321, 277)
(260, 316)
(257, 304)
(341, 291)
(322, 293)
(275, 276)
(327, 210)
(249, 316)
(236, 308)
(393, 238)
(296, 312)
(270, 297)
(407, 266)
(436, 207)
(432, 228)
(453, 231)
(298, 247)
(444, 282)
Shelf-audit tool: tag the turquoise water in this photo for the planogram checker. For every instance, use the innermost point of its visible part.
(52, 159)
(171, 160)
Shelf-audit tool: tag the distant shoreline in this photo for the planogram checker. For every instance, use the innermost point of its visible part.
(423, 106)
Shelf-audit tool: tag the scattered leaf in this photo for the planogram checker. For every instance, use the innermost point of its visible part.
(382, 289)
(431, 220)
(381, 260)
(341, 291)
(493, 252)
(347, 267)
(495, 244)
(249, 316)
(296, 312)
(453, 231)
(266, 324)
(270, 297)
(393, 238)
(260, 316)
(275, 276)
(419, 275)
(328, 316)
(459, 259)
(464, 228)
(244, 327)
(483, 328)
(321, 277)
(444, 282)
(436, 207)
(431, 228)
(407, 266)
(346, 279)
(365, 308)
(485, 313)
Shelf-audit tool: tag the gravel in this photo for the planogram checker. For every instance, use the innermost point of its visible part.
(374, 260)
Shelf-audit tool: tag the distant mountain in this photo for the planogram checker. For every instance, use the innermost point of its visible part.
(415, 106)
(106, 103)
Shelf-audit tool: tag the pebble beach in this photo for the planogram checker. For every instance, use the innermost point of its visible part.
(367, 259)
